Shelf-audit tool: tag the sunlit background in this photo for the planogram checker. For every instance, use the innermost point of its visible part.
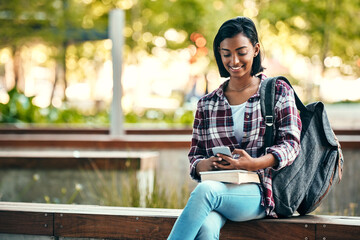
(57, 53)
(56, 70)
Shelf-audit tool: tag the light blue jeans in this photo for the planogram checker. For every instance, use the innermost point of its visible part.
(211, 203)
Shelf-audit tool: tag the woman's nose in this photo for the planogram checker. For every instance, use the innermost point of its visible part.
(235, 60)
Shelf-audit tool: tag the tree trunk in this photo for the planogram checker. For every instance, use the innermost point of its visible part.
(60, 71)
(17, 66)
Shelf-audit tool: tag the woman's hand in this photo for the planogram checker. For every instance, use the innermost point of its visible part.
(245, 161)
(208, 164)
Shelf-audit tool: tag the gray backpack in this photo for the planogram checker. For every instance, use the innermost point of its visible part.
(305, 183)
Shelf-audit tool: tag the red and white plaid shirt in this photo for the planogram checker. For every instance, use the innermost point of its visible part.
(214, 126)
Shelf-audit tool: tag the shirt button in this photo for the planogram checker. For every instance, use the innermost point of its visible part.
(247, 116)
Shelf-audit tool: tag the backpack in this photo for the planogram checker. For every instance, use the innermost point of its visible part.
(304, 184)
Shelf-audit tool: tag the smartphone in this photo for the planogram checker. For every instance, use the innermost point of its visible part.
(222, 149)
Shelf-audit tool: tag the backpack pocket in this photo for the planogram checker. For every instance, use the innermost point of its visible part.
(322, 182)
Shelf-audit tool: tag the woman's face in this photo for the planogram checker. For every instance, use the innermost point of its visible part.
(237, 55)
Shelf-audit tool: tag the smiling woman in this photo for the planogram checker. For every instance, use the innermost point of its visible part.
(237, 55)
(249, 39)
(231, 116)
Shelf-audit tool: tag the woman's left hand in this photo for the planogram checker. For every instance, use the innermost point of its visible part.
(244, 161)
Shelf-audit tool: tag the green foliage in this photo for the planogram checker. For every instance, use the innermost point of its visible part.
(181, 117)
(348, 102)
(325, 27)
(21, 110)
(110, 188)
(123, 190)
(162, 197)
(24, 20)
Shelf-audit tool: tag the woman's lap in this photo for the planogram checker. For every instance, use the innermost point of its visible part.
(234, 202)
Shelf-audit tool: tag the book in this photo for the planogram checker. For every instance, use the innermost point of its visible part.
(231, 176)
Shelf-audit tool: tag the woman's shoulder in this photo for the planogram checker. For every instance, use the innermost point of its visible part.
(282, 87)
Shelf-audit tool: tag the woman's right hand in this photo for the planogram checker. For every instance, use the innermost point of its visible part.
(207, 164)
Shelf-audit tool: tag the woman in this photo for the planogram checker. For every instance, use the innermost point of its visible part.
(231, 116)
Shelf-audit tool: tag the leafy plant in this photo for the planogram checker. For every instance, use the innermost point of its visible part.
(21, 110)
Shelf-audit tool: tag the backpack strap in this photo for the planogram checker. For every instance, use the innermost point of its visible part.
(267, 103)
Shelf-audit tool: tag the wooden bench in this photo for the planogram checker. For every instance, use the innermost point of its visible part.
(88, 221)
(102, 141)
(142, 163)
(93, 141)
(73, 159)
(10, 129)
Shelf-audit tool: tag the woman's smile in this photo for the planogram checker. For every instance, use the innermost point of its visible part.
(235, 68)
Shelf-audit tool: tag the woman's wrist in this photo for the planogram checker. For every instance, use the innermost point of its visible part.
(198, 167)
(266, 161)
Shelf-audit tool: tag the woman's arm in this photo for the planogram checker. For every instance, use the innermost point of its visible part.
(245, 161)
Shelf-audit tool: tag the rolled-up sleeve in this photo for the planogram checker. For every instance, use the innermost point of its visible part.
(197, 150)
(288, 126)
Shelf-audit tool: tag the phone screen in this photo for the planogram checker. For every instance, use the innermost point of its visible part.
(222, 149)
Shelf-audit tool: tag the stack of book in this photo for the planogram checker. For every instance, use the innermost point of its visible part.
(231, 176)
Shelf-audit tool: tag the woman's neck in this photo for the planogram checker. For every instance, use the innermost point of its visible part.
(237, 94)
(241, 84)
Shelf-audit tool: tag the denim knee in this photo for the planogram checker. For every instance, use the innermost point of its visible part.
(207, 189)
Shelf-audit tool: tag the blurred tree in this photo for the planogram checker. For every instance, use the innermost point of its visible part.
(156, 23)
(58, 23)
(21, 22)
(323, 28)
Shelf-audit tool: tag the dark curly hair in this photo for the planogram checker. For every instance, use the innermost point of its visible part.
(229, 29)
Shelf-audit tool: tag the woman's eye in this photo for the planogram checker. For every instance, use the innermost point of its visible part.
(227, 55)
(242, 53)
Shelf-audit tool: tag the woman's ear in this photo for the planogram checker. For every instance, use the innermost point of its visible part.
(257, 49)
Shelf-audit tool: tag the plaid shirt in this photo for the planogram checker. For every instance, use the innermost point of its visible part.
(213, 126)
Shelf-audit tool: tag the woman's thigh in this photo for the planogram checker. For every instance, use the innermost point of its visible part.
(239, 202)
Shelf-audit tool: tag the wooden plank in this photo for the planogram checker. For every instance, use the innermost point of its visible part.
(92, 221)
(146, 141)
(119, 227)
(270, 230)
(52, 130)
(130, 130)
(336, 231)
(95, 141)
(65, 159)
(66, 163)
(88, 209)
(33, 223)
(76, 154)
(98, 131)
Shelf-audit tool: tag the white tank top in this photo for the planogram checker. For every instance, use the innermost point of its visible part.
(238, 112)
